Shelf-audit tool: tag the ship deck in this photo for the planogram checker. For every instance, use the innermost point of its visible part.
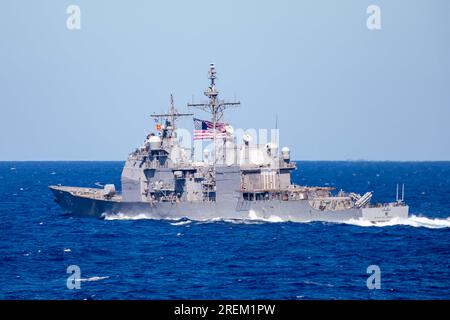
(91, 193)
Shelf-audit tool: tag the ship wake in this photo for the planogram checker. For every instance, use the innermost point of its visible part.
(412, 221)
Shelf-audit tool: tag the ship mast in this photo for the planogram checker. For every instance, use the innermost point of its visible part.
(173, 116)
(214, 106)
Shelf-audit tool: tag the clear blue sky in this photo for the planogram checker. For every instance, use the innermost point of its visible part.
(340, 90)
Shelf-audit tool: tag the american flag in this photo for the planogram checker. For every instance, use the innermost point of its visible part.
(203, 130)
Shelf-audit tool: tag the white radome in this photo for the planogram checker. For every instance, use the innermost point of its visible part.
(155, 142)
(286, 153)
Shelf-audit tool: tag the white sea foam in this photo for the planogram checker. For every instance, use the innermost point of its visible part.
(123, 216)
(233, 221)
(181, 223)
(412, 221)
(93, 279)
(272, 218)
(253, 218)
(135, 216)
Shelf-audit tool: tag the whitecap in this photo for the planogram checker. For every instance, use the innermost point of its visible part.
(135, 216)
(92, 279)
(253, 218)
(181, 223)
(123, 216)
(272, 218)
(318, 283)
(412, 221)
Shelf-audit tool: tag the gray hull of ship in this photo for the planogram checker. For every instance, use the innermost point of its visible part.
(272, 210)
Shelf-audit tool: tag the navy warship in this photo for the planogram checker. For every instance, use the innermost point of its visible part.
(239, 180)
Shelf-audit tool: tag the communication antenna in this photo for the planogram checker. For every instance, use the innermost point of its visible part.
(276, 129)
(400, 197)
(278, 142)
(172, 116)
(213, 106)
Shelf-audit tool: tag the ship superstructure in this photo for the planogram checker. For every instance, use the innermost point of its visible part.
(236, 180)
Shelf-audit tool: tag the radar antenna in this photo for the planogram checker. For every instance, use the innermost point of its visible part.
(169, 119)
(214, 106)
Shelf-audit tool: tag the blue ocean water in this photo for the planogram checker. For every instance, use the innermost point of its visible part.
(151, 259)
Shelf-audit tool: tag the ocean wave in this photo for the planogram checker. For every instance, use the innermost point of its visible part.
(272, 218)
(93, 279)
(184, 221)
(412, 221)
(253, 218)
(123, 216)
(134, 216)
(232, 221)
(181, 223)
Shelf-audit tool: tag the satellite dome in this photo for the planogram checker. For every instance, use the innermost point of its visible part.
(155, 142)
(286, 153)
